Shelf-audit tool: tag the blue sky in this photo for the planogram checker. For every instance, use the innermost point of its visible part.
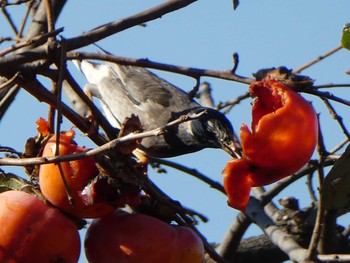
(205, 35)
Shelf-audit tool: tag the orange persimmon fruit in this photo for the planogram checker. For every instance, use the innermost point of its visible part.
(77, 173)
(135, 238)
(33, 232)
(283, 137)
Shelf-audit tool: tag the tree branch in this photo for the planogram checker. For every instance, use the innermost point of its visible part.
(109, 29)
(279, 237)
(191, 72)
(106, 146)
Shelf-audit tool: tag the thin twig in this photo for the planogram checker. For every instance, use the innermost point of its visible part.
(9, 82)
(327, 95)
(4, 39)
(24, 20)
(92, 152)
(10, 150)
(230, 104)
(318, 59)
(35, 88)
(235, 58)
(337, 117)
(316, 234)
(9, 19)
(61, 75)
(338, 147)
(346, 232)
(18, 2)
(195, 89)
(321, 147)
(334, 258)
(61, 69)
(38, 40)
(192, 172)
(5, 100)
(283, 183)
(318, 227)
(110, 131)
(109, 29)
(331, 85)
(50, 21)
(310, 187)
(98, 33)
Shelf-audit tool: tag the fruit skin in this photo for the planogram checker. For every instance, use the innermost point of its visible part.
(78, 173)
(284, 128)
(137, 238)
(283, 137)
(32, 232)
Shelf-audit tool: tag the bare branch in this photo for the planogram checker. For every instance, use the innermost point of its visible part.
(36, 41)
(191, 72)
(109, 29)
(337, 117)
(25, 19)
(9, 20)
(109, 145)
(213, 184)
(37, 27)
(309, 64)
(228, 247)
(279, 237)
(9, 82)
(331, 85)
(334, 258)
(35, 88)
(328, 95)
(316, 235)
(50, 19)
(235, 58)
(18, 2)
(101, 120)
(230, 104)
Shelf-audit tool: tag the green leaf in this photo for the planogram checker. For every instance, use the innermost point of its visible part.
(9, 181)
(345, 39)
(335, 192)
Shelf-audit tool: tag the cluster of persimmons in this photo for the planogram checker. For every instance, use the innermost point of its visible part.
(282, 139)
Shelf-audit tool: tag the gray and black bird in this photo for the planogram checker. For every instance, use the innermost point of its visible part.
(126, 90)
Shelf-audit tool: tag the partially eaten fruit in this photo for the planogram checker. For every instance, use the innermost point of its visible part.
(282, 139)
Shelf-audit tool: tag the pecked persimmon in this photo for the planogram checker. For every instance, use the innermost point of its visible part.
(282, 139)
(77, 173)
(33, 232)
(284, 128)
(138, 238)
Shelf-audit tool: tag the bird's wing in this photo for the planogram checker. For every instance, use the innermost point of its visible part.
(141, 85)
(124, 90)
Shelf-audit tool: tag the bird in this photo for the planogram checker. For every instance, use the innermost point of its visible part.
(345, 39)
(124, 90)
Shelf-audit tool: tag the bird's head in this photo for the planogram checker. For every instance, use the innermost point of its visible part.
(214, 130)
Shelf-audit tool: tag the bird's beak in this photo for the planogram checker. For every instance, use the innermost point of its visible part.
(232, 149)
